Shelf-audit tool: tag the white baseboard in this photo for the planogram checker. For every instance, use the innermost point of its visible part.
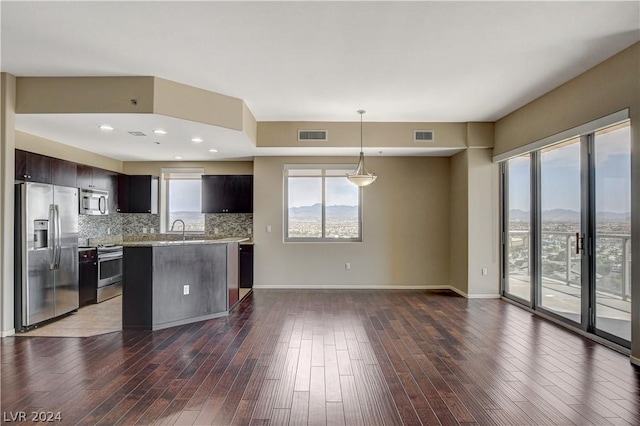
(349, 287)
(7, 333)
(484, 296)
(375, 287)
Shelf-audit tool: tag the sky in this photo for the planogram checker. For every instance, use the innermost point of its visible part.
(561, 176)
(307, 191)
(185, 195)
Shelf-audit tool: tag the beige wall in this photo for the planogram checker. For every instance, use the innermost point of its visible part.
(347, 134)
(210, 167)
(84, 94)
(405, 230)
(459, 223)
(7, 172)
(605, 89)
(483, 224)
(32, 143)
(195, 104)
(480, 135)
(609, 87)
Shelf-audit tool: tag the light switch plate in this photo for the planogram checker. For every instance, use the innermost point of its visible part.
(185, 289)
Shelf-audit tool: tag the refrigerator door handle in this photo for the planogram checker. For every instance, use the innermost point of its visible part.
(58, 237)
(51, 239)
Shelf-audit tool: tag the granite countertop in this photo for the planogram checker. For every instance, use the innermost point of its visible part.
(167, 243)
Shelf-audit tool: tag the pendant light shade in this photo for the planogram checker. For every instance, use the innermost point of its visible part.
(360, 176)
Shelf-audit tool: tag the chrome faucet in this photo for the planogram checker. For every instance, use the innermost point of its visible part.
(183, 227)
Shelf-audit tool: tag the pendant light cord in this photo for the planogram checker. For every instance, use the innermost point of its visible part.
(361, 112)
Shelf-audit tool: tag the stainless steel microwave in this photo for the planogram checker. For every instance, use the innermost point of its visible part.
(94, 202)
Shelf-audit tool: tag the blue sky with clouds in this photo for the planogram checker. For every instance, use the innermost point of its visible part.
(561, 176)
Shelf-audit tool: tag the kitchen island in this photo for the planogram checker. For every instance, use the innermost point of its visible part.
(170, 283)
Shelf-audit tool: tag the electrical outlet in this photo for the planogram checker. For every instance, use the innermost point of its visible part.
(485, 271)
(249, 231)
(347, 266)
(268, 228)
(185, 289)
(215, 231)
(108, 231)
(152, 230)
(144, 229)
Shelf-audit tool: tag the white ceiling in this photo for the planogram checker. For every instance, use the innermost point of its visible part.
(401, 61)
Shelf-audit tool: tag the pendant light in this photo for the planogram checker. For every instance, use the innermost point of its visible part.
(360, 176)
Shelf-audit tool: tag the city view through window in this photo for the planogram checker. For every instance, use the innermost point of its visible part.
(185, 203)
(561, 220)
(307, 202)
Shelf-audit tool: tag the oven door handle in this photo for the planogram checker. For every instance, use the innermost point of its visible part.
(109, 256)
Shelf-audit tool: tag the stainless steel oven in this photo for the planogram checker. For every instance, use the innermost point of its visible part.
(109, 272)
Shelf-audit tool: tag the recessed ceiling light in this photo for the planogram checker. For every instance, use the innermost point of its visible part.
(196, 140)
(106, 128)
(178, 157)
(213, 150)
(159, 132)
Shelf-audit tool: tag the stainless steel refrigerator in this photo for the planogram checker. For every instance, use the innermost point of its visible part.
(46, 252)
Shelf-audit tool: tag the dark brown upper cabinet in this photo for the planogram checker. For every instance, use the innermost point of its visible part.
(138, 194)
(227, 194)
(85, 177)
(93, 178)
(112, 180)
(63, 172)
(31, 167)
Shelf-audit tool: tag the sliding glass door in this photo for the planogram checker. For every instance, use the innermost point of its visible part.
(518, 229)
(560, 222)
(567, 232)
(612, 292)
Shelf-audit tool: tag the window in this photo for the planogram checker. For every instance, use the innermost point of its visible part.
(182, 199)
(321, 204)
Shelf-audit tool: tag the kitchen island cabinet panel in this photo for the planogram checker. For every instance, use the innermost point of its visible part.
(137, 276)
(202, 268)
(155, 276)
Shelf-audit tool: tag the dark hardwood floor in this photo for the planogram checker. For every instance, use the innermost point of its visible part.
(329, 357)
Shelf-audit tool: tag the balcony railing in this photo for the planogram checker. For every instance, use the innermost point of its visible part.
(613, 253)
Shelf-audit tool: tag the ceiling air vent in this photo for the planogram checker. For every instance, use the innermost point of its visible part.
(137, 134)
(423, 136)
(313, 135)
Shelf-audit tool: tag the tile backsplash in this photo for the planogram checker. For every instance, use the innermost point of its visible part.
(118, 226)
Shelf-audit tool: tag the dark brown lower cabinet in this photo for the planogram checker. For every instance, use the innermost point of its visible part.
(246, 265)
(87, 276)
